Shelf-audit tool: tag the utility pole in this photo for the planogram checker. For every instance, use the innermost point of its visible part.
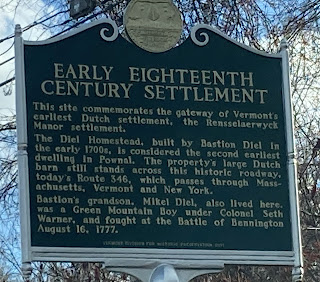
(80, 8)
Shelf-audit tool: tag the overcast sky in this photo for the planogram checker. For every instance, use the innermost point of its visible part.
(11, 13)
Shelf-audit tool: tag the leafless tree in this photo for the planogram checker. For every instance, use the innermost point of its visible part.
(260, 24)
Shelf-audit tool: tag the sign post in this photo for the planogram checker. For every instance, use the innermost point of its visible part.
(179, 161)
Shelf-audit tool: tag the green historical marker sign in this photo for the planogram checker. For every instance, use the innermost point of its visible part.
(174, 149)
(183, 151)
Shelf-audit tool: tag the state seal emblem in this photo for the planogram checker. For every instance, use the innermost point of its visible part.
(153, 25)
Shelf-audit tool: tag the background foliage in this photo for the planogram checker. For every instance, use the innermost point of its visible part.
(259, 24)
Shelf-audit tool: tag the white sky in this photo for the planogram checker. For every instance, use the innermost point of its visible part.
(11, 13)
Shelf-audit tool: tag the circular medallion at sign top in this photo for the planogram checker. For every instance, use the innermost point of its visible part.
(153, 25)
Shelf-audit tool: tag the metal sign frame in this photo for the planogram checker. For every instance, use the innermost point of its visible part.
(141, 262)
